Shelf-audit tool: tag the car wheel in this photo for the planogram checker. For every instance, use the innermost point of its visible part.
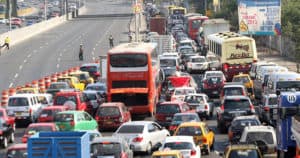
(4, 143)
(12, 137)
(149, 149)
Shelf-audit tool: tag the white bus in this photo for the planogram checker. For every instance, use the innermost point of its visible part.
(236, 52)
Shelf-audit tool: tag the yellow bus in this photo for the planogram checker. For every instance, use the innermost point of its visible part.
(175, 10)
(236, 52)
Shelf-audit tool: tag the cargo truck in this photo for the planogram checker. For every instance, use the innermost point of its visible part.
(158, 24)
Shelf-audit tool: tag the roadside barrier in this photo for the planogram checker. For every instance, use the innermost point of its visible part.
(47, 81)
(42, 86)
(34, 84)
(11, 91)
(4, 99)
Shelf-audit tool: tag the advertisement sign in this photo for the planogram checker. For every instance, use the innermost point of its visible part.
(259, 17)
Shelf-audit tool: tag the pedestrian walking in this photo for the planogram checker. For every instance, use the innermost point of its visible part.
(6, 42)
(111, 41)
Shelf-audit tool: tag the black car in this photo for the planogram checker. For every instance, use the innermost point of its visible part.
(6, 134)
(57, 87)
(232, 106)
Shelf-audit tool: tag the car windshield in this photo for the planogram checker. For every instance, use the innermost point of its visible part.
(106, 148)
(185, 118)
(198, 60)
(167, 62)
(131, 129)
(194, 99)
(17, 153)
(184, 91)
(88, 68)
(35, 129)
(231, 91)
(64, 117)
(245, 122)
(167, 109)
(273, 101)
(61, 100)
(178, 145)
(236, 104)
(18, 102)
(109, 111)
(58, 86)
(97, 88)
(243, 79)
(244, 154)
(255, 136)
(189, 131)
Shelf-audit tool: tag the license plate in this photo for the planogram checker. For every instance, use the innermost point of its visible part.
(109, 122)
(44, 115)
(215, 92)
(168, 118)
(18, 114)
(275, 111)
(62, 126)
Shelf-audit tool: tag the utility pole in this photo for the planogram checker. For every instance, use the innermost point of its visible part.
(136, 21)
(9, 14)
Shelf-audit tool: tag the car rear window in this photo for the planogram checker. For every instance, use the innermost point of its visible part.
(18, 102)
(131, 129)
(245, 122)
(232, 91)
(266, 136)
(244, 154)
(189, 131)
(109, 111)
(61, 100)
(64, 117)
(49, 112)
(236, 104)
(106, 148)
(168, 109)
(178, 145)
(89, 68)
(35, 129)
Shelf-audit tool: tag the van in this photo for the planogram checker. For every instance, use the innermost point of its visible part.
(282, 82)
(255, 68)
(169, 64)
(24, 107)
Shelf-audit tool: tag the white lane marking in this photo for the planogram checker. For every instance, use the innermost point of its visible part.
(20, 67)
(41, 47)
(16, 75)
(25, 60)
(29, 55)
(94, 58)
(57, 65)
(10, 85)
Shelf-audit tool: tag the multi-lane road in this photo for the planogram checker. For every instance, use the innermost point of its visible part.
(57, 49)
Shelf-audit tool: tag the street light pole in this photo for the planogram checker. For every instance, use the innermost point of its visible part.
(45, 9)
(9, 15)
(136, 22)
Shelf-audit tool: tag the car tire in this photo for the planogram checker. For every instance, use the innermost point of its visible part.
(5, 142)
(149, 149)
(12, 137)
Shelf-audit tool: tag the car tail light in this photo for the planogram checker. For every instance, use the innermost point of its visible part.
(222, 108)
(172, 128)
(204, 139)
(225, 67)
(252, 108)
(230, 135)
(24, 139)
(266, 108)
(72, 123)
(193, 152)
(124, 155)
(206, 107)
(138, 139)
(30, 111)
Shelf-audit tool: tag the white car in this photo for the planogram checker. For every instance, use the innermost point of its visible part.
(200, 102)
(188, 42)
(197, 63)
(142, 136)
(185, 144)
(180, 93)
(213, 73)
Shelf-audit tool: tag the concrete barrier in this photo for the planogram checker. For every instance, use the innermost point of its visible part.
(21, 34)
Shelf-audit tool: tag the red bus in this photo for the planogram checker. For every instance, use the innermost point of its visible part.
(133, 77)
(192, 23)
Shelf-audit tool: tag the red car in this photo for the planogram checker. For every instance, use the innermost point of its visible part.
(47, 114)
(16, 151)
(112, 115)
(68, 98)
(166, 110)
(8, 119)
(38, 127)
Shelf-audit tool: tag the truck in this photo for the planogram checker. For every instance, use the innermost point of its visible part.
(165, 43)
(59, 144)
(211, 26)
(288, 107)
(158, 24)
(296, 132)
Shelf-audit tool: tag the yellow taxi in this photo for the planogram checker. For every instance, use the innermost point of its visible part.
(83, 76)
(72, 81)
(203, 136)
(31, 90)
(167, 154)
(242, 150)
(247, 81)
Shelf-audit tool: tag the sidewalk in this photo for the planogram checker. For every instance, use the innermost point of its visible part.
(274, 56)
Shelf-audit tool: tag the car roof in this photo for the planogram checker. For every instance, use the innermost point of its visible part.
(179, 139)
(259, 128)
(111, 104)
(171, 102)
(233, 85)
(108, 139)
(168, 57)
(138, 123)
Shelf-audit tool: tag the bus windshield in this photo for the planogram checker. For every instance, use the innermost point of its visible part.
(128, 60)
(288, 85)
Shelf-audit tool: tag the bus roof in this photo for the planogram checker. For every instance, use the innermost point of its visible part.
(133, 48)
(221, 37)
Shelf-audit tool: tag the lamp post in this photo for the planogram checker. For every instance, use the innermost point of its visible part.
(45, 9)
(9, 14)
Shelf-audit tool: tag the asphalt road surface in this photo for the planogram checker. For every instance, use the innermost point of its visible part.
(57, 50)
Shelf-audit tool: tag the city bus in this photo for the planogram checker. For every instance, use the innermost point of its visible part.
(235, 52)
(193, 22)
(134, 77)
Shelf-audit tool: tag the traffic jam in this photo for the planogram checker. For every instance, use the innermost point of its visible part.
(156, 96)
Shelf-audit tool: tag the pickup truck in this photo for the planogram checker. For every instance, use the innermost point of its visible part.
(8, 119)
(73, 82)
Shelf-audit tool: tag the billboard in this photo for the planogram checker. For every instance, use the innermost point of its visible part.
(259, 17)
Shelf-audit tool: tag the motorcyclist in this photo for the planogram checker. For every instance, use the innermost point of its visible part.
(111, 41)
(81, 52)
